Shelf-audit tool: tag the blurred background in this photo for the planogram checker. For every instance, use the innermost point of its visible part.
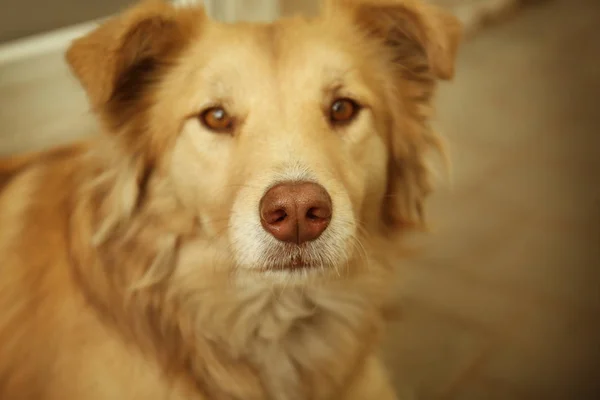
(503, 300)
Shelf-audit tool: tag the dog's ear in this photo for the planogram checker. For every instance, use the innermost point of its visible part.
(124, 50)
(120, 63)
(419, 45)
(405, 26)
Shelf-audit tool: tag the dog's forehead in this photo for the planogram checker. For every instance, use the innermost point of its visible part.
(305, 52)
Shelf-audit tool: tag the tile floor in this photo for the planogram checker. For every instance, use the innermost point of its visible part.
(503, 301)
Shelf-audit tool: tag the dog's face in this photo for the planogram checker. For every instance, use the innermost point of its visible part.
(282, 150)
(289, 139)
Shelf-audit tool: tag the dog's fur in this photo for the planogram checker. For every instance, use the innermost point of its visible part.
(134, 265)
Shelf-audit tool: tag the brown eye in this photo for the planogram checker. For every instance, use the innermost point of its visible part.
(343, 111)
(217, 119)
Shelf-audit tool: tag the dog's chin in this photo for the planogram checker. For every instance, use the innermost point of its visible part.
(297, 262)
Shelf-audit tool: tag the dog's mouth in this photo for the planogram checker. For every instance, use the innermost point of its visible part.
(292, 258)
(295, 264)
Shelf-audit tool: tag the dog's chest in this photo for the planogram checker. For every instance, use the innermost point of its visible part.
(294, 347)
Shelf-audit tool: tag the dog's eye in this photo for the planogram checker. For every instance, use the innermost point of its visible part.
(217, 119)
(343, 111)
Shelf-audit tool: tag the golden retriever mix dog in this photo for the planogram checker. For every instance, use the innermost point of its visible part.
(231, 234)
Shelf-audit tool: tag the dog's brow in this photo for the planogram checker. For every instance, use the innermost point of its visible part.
(218, 88)
(335, 79)
(336, 75)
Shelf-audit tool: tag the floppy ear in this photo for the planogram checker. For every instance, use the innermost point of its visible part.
(125, 50)
(121, 62)
(419, 44)
(408, 25)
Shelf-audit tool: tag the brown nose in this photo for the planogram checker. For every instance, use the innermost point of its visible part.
(296, 212)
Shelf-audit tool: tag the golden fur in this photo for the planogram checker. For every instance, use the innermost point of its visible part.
(134, 266)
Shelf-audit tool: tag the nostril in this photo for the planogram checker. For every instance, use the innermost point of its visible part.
(282, 216)
(275, 216)
(318, 213)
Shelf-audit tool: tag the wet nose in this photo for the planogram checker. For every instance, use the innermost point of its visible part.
(296, 212)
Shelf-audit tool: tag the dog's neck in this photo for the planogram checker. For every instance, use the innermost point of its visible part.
(172, 294)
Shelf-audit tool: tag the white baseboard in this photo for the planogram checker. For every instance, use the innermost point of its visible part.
(53, 41)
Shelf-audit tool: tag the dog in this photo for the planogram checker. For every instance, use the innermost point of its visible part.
(231, 234)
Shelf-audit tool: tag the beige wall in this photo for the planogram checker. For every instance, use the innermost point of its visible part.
(20, 18)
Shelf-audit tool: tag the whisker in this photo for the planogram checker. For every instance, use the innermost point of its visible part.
(362, 251)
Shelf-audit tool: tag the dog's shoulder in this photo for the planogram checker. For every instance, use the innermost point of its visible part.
(13, 166)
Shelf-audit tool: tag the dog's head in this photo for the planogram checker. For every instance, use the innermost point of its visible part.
(288, 139)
